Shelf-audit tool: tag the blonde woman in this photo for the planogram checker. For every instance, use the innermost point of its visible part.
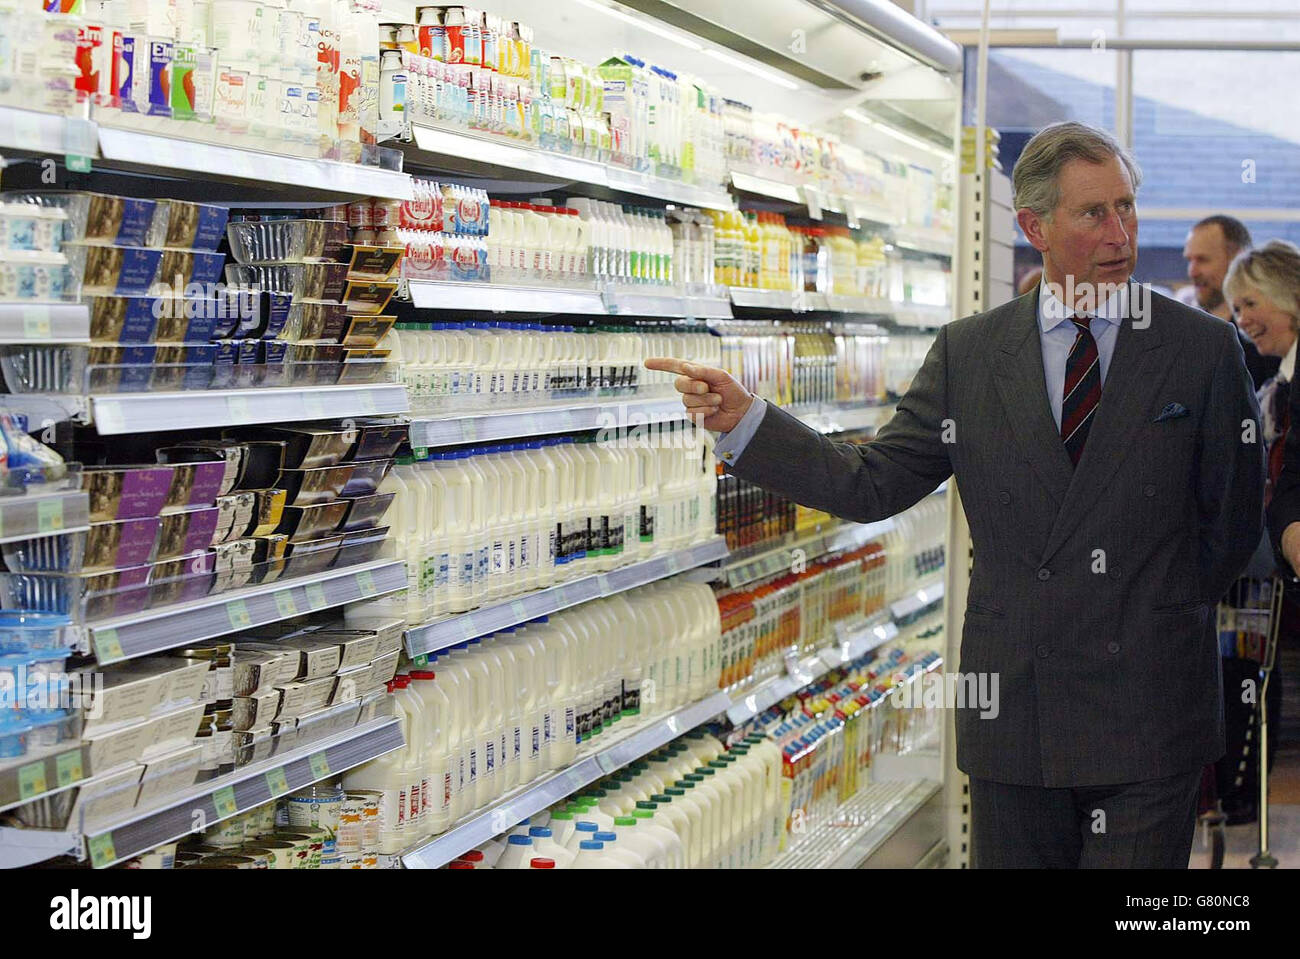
(1263, 287)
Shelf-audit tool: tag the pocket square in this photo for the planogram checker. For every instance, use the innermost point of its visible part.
(1171, 412)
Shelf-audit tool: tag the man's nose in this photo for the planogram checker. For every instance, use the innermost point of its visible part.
(1116, 233)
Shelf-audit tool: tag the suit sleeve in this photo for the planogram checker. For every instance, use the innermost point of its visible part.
(905, 462)
(1284, 508)
(1230, 488)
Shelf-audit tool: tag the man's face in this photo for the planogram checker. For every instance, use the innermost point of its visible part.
(1092, 233)
(1208, 257)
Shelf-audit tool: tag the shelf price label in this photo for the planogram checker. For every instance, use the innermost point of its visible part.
(277, 782)
(237, 612)
(68, 767)
(316, 596)
(366, 583)
(320, 767)
(36, 322)
(102, 851)
(285, 605)
(49, 515)
(814, 202)
(238, 409)
(224, 801)
(107, 647)
(31, 780)
(469, 429)
(517, 607)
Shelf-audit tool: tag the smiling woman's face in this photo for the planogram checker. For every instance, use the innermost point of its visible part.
(1271, 328)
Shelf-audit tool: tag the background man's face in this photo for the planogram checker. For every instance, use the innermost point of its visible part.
(1208, 257)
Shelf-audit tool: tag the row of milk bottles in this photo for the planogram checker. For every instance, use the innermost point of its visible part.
(491, 714)
(498, 360)
(483, 523)
(691, 805)
(582, 239)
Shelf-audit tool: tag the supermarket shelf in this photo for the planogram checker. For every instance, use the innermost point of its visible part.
(914, 314)
(250, 786)
(43, 514)
(910, 605)
(44, 323)
(799, 301)
(502, 298)
(648, 302)
(46, 409)
(778, 558)
(470, 427)
(763, 299)
(27, 847)
(149, 412)
(674, 191)
(43, 773)
(157, 150)
(448, 295)
(434, 146)
(155, 630)
(833, 418)
(35, 132)
(860, 826)
(875, 632)
(934, 242)
(481, 826)
(765, 186)
(488, 619)
(708, 308)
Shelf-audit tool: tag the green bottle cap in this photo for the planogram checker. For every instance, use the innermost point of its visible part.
(624, 821)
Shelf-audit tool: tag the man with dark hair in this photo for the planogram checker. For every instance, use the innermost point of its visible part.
(1210, 248)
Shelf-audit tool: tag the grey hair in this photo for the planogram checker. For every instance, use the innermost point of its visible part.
(1274, 270)
(1037, 173)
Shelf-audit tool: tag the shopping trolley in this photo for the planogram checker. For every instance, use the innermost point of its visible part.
(1248, 621)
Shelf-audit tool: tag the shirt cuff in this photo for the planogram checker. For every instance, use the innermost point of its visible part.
(732, 444)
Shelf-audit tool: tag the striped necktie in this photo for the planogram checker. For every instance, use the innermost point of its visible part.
(1082, 390)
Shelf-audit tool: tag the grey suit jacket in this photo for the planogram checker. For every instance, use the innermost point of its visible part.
(1092, 590)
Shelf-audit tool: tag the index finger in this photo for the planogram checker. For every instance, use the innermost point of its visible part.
(668, 364)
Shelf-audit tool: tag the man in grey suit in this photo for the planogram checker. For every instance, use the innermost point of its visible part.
(1105, 442)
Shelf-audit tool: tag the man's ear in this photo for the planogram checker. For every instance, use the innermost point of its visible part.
(1031, 224)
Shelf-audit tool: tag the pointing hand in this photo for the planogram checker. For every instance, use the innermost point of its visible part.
(707, 392)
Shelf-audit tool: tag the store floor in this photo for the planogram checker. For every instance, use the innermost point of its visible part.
(1283, 821)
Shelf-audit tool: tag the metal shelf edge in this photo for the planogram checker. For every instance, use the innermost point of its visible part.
(31, 517)
(495, 819)
(118, 413)
(250, 788)
(432, 637)
(257, 606)
(157, 149)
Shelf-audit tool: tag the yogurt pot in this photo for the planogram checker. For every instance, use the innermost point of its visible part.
(227, 834)
(307, 847)
(319, 807)
(282, 852)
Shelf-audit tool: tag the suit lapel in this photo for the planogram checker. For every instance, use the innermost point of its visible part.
(1021, 386)
(1138, 369)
